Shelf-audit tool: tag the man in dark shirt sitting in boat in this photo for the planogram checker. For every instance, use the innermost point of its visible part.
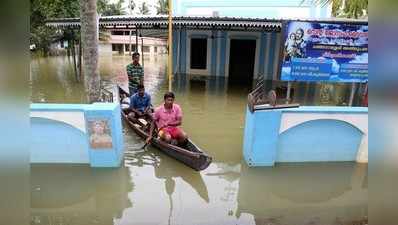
(140, 104)
(168, 118)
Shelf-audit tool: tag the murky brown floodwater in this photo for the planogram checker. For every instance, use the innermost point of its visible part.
(155, 189)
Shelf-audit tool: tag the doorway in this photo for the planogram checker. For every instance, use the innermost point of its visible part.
(241, 61)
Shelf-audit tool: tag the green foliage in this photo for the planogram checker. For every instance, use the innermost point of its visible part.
(132, 5)
(355, 8)
(144, 10)
(106, 9)
(337, 4)
(41, 10)
(163, 7)
(344, 8)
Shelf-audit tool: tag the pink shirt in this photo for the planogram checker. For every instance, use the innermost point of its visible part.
(165, 116)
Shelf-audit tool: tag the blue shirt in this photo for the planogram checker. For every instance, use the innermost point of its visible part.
(140, 103)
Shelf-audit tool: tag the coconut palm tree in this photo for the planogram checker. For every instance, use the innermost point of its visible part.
(144, 9)
(131, 6)
(89, 37)
(163, 7)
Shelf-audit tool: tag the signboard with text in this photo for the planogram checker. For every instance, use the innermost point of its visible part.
(336, 52)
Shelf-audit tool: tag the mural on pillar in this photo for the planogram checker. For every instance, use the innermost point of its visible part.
(99, 134)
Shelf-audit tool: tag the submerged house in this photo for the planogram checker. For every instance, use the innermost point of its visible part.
(232, 39)
(241, 49)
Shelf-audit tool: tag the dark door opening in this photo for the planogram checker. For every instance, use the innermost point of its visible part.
(198, 53)
(241, 61)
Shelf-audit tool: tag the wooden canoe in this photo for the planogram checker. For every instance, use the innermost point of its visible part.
(191, 156)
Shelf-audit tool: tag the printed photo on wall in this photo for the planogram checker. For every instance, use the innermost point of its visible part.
(100, 134)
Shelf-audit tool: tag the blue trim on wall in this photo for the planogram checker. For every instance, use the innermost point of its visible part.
(328, 109)
(223, 52)
(214, 48)
(175, 48)
(244, 37)
(183, 51)
(248, 135)
(319, 140)
(263, 46)
(204, 36)
(271, 56)
(57, 107)
(263, 148)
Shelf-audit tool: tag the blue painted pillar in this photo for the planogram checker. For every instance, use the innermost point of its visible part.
(271, 56)
(263, 46)
(175, 48)
(261, 150)
(223, 52)
(183, 51)
(104, 133)
(214, 48)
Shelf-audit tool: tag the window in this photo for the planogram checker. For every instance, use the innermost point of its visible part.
(145, 48)
(132, 47)
(198, 53)
(155, 49)
(116, 32)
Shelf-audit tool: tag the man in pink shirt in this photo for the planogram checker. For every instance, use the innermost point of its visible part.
(168, 118)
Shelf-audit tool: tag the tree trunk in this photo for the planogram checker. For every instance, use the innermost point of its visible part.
(79, 60)
(68, 49)
(142, 51)
(74, 60)
(89, 36)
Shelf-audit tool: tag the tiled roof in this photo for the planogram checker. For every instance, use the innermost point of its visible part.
(206, 23)
(161, 22)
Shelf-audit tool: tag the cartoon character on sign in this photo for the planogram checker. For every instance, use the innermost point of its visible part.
(100, 134)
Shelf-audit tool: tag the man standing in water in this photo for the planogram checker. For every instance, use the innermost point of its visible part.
(135, 73)
(168, 118)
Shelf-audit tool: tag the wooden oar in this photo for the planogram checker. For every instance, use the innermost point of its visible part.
(143, 147)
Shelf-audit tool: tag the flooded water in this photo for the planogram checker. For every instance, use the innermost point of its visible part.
(154, 189)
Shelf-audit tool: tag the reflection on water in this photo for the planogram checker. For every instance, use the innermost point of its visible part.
(166, 192)
(78, 194)
(317, 193)
(52, 79)
(154, 189)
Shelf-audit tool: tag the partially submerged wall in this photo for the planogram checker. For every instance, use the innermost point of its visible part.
(306, 134)
(76, 133)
